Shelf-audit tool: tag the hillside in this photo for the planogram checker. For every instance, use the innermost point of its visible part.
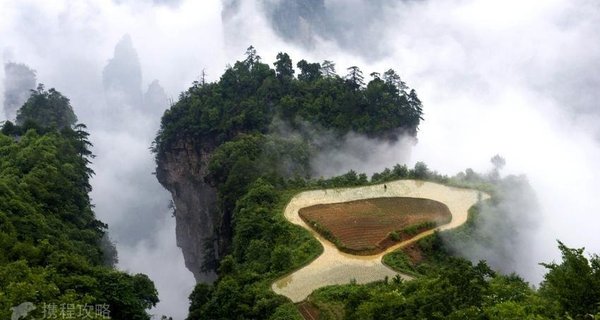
(256, 121)
(54, 253)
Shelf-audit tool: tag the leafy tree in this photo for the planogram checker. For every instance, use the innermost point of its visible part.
(328, 69)
(498, 162)
(355, 77)
(9, 129)
(48, 109)
(281, 258)
(53, 250)
(391, 78)
(421, 171)
(309, 71)
(574, 283)
(252, 58)
(284, 67)
(400, 171)
(198, 298)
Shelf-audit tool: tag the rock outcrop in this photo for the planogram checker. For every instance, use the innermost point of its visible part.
(181, 170)
(122, 76)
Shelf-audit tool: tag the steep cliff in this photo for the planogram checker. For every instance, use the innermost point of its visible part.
(221, 137)
(181, 170)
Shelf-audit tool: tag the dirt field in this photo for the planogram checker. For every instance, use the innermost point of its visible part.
(364, 226)
(308, 310)
(336, 267)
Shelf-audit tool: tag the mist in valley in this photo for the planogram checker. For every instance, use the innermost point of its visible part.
(517, 78)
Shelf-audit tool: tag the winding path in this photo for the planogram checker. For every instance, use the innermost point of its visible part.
(336, 267)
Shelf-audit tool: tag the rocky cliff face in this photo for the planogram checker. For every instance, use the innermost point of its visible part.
(181, 170)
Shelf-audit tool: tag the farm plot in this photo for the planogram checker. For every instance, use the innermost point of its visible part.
(369, 226)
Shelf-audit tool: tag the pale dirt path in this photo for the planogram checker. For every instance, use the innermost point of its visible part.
(336, 267)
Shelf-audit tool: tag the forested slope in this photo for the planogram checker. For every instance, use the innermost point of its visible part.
(53, 250)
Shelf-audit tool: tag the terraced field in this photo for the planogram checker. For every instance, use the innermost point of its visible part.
(336, 267)
(365, 226)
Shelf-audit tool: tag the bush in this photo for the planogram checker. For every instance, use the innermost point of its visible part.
(394, 235)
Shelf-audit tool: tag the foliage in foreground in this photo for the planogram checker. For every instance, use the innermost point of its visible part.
(457, 289)
(53, 251)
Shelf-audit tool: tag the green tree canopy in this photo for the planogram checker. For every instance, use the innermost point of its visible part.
(284, 67)
(53, 250)
(47, 109)
(309, 71)
(574, 283)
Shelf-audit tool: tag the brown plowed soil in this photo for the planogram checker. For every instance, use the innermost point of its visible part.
(364, 226)
(414, 253)
(308, 310)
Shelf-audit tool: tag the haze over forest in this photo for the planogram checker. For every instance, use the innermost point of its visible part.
(516, 78)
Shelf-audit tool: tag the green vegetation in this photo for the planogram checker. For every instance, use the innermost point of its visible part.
(394, 235)
(250, 95)
(47, 109)
(53, 250)
(401, 262)
(417, 228)
(459, 290)
(447, 287)
(574, 283)
(265, 246)
(325, 233)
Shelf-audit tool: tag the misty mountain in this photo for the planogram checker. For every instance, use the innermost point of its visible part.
(122, 76)
(122, 80)
(19, 80)
(139, 202)
(155, 98)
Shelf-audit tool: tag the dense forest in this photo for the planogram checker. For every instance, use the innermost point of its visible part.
(256, 168)
(54, 253)
(250, 95)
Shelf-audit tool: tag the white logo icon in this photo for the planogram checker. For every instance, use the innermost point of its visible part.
(22, 310)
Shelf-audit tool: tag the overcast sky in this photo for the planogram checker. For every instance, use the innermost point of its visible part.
(518, 78)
